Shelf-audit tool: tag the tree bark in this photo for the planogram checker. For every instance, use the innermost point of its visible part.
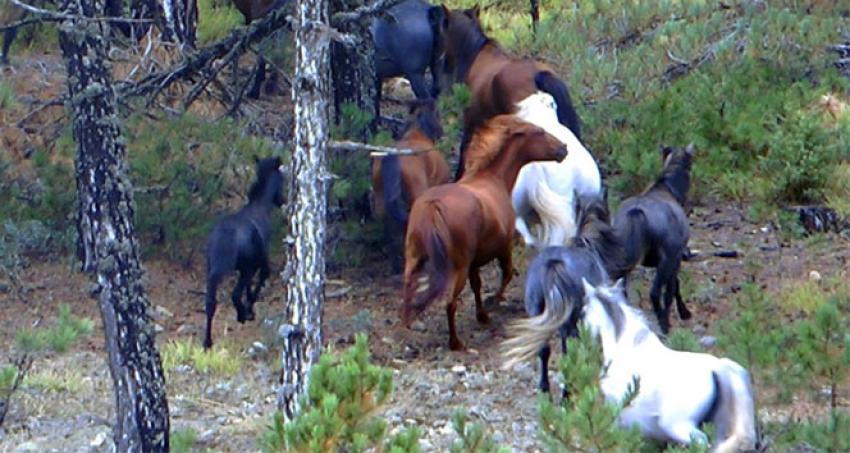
(107, 243)
(353, 67)
(180, 21)
(305, 267)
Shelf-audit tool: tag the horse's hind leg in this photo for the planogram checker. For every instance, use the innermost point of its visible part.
(8, 37)
(544, 354)
(417, 83)
(451, 308)
(210, 305)
(661, 279)
(684, 313)
(259, 77)
(242, 285)
(475, 283)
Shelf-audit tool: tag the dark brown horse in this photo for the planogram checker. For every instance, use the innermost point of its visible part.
(455, 229)
(398, 180)
(497, 80)
(654, 229)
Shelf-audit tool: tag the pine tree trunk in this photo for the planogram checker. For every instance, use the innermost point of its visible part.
(180, 21)
(107, 242)
(353, 67)
(305, 268)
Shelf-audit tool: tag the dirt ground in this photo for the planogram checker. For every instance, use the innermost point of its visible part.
(229, 413)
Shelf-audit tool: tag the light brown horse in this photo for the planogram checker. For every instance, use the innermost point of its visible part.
(400, 179)
(455, 229)
(497, 80)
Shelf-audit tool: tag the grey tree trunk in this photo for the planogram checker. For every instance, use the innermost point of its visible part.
(180, 21)
(305, 268)
(353, 67)
(107, 241)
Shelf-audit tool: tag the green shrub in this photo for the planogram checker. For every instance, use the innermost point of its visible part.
(216, 20)
(684, 340)
(473, 437)
(217, 361)
(338, 412)
(8, 100)
(183, 440)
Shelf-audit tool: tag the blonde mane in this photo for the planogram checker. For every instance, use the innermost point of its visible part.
(487, 143)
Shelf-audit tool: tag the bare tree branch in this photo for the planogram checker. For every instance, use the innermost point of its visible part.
(375, 150)
(55, 16)
(373, 9)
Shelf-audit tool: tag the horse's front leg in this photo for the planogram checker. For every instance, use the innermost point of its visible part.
(265, 271)
(417, 83)
(475, 283)
(506, 266)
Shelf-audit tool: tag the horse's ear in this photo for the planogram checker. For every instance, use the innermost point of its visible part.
(587, 287)
(620, 285)
(665, 152)
(690, 149)
(474, 12)
(437, 15)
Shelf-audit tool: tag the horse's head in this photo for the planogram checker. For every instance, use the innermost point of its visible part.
(269, 184)
(458, 37)
(677, 157)
(530, 143)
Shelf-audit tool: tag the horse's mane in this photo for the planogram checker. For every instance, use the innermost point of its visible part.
(424, 117)
(265, 167)
(616, 306)
(596, 233)
(469, 40)
(675, 178)
(486, 144)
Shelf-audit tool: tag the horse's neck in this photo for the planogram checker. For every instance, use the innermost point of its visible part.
(506, 169)
(633, 328)
(477, 47)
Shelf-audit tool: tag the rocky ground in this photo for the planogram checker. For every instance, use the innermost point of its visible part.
(68, 404)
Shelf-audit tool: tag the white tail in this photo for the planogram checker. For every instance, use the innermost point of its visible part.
(557, 214)
(735, 416)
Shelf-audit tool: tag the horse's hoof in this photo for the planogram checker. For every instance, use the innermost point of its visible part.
(250, 316)
(685, 314)
(482, 317)
(207, 344)
(456, 345)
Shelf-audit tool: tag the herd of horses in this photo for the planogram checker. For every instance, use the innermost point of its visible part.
(523, 171)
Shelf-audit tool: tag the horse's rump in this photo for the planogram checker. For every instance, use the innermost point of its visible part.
(429, 234)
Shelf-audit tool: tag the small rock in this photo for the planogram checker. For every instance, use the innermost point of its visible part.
(708, 341)
(27, 447)
(257, 348)
(699, 329)
(814, 276)
(158, 328)
(162, 311)
(387, 340)
(98, 440)
(499, 437)
(459, 369)
(418, 326)
(206, 436)
(183, 368)
(185, 328)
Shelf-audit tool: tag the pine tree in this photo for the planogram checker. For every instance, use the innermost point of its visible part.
(339, 410)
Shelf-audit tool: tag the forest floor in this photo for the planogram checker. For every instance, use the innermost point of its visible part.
(230, 412)
(68, 403)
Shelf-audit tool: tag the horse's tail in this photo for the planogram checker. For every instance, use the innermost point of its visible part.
(426, 278)
(529, 335)
(393, 193)
(734, 417)
(631, 232)
(556, 212)
(548, 82)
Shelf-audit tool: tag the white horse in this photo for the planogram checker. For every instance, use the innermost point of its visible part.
(678, 390)
(544, 191)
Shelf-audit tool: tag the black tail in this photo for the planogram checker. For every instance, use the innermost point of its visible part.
(393, 194)
(548, 82)
(631, 232)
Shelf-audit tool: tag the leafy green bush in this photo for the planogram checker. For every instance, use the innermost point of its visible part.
(338, 412)
(182, 440)
(684, 340)
(472, 437)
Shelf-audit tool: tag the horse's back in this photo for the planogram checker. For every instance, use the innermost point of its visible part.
(404, 44)
(666, 221)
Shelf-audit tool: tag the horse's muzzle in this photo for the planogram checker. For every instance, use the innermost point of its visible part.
(561, 153)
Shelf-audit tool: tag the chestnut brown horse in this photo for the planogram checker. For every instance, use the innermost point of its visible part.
(455, 229)
(497, 80)
(399, 180)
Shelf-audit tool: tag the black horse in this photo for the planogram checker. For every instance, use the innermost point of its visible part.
(9, 14)
(407, 44)
(654, 229)
(240, 242)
